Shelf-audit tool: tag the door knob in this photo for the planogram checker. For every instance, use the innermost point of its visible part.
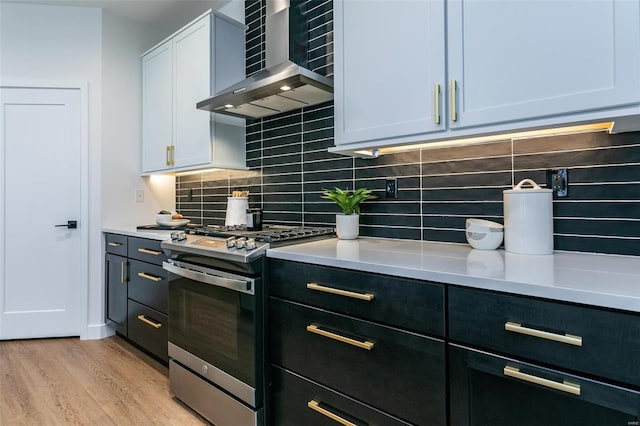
(71, 224)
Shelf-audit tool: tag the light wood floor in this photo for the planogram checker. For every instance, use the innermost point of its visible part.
(85, 382)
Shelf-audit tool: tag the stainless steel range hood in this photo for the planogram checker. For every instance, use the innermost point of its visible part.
(284, 84)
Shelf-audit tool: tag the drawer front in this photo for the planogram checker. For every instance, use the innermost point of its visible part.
(298, 401)
(148, 328)
(497, 391)
(146, 250)
(536, 329)
(397, 372)
(149, 285)
(409, 304)
(116, 244)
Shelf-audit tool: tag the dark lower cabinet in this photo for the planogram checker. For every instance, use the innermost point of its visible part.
(116, 268)
(490, 390)
(137, 292)
(148, 328)
(299, 401)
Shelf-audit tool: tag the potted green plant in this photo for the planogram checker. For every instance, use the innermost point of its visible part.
(348, 222)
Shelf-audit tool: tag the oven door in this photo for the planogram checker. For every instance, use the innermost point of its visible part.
(213, 327)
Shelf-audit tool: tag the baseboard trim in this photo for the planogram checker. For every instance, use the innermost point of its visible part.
(97, 331)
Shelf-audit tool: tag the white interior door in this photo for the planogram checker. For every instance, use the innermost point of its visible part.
(40, 263)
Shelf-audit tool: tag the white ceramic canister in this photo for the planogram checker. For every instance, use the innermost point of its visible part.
(528, 219)
(236, 211)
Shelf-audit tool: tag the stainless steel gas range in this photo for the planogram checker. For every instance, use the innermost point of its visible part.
(216, 327)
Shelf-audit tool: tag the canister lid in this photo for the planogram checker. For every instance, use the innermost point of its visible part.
(520, 189)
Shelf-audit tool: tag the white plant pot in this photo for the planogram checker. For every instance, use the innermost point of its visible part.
(347, 226)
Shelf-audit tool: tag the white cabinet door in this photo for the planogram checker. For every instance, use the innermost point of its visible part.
(389, 57)
(192, 83)
(157, 107)
(524, 59)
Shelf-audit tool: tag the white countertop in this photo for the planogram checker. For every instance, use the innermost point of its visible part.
(593, 279)
(132, 231)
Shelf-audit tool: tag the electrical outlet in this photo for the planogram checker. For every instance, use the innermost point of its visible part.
(391, 188)
(558, 182)
(139, 195)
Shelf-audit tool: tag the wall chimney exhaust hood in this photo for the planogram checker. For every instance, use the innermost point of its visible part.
(284, 84)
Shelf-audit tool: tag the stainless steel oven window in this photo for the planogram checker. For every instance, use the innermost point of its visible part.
(216, 324)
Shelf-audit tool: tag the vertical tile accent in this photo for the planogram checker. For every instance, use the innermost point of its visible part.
(289, 166)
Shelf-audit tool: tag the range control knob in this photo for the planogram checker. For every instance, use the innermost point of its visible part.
(204, 369)
(240, 242)
(231, 242)
(250, 244)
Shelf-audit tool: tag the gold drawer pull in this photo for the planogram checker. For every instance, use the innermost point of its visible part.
(114, 244)
(123, 275)
(363, 345)
(149, 277)
(569, 339)
(147, 251)
(314, 405)
(565, 386)
(361, 296)
(149, 322)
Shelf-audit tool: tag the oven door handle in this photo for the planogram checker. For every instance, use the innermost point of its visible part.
(240, 284)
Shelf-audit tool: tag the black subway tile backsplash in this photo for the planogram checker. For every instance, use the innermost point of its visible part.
(438, 188)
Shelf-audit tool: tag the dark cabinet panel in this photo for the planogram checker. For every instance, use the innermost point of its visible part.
(398, 372)
(146, 250)
(298, 401)
(148, 328)
(148, 284)
(409, 304)
(509, 324)
(497, 391)
(116, 244)
(116, 273)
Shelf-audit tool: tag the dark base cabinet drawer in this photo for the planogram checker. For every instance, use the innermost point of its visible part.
(587, 340)
(297, 401)
(405, 303)
(116, 244)
(148, 284)
(400, 373)
(488, 390)
(146, 250)
(148, 328)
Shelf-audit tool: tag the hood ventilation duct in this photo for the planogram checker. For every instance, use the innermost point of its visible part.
(284, 84)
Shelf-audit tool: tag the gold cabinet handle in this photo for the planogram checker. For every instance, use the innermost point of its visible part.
(167, 155)
(361, 296)
(149, 277)
(147, 251)
(565, 386)
(363, 345)
(173, 155)
(149, 322)
(569, 339)
(110, 244)
(436, 103)
(452, 99)
(123, 275)
(315, 406)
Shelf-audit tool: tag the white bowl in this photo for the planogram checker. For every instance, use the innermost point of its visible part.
(484, 234)
(163, 217)
(173, 222)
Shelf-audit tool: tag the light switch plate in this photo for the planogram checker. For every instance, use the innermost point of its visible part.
(139, 195)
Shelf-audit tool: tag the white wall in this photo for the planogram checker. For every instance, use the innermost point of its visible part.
(48, 44)
(123, 43)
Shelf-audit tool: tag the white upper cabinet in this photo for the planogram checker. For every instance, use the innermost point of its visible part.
(179, 73)
(510, 65)
(522, 59)
(389, 58)
(157, 107)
